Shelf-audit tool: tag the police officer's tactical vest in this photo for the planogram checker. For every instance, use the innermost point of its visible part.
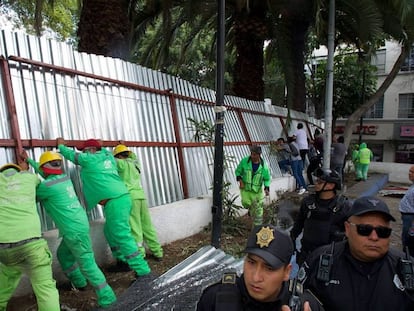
(228, 298)
(317, 229)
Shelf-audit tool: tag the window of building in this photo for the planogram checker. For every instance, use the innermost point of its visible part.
(379, 61)
(406, 106)
(405, 153)
(378, 151)
(376, 111)
(409, 61)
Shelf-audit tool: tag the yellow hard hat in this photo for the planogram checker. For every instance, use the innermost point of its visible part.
(10, 165)
(49, 156)
(119, 149)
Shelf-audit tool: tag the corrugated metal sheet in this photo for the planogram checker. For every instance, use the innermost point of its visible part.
(100, 97)
(181, 286)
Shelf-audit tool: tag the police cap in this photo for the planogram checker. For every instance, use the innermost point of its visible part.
(271, 244)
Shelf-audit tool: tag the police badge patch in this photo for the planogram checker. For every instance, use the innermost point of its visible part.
(264, 237)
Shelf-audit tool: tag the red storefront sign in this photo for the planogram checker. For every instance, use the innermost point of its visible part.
(366, 129)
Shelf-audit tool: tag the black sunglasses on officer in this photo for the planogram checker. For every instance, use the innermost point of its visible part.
(365, 230)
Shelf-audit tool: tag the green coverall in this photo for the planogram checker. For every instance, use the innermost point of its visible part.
(140, 221)
(19, 221)
(355, 161)
(102, 184)
(364, 156)
(75, 253)
(252, 196)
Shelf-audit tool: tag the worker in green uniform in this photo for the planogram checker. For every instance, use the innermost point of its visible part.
(355, 160)
(22, 249)
(75, 253)
(142, 229)
(253, 174)
(365, 156)
(102, 185)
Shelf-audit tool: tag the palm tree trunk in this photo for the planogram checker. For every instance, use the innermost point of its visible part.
(249, 31)
(296, 20)
(104, 28)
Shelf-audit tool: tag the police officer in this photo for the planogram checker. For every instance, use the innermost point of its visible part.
(263, 284)
(362, 273)
(322, 214)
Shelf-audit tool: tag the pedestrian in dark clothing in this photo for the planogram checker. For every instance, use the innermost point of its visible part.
(315, 161)
(283, 155)
(338, 154)
(318, 141)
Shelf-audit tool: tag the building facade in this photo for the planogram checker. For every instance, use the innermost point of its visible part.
(388, 127)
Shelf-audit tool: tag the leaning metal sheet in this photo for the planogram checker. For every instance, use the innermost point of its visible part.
(181, 286)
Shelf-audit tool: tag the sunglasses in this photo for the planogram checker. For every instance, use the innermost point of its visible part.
(366, 230)
(55, 163)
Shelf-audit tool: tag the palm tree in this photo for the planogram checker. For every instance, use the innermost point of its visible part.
(104, 28)
(112, 28)
(246, 30)
(285, 24)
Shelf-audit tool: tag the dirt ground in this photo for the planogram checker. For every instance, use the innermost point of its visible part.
(232, 242)
(174, 253)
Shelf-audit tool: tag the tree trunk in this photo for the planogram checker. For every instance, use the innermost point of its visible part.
(249, 32)
(104, 28)
(354, 118)
(295, 23)
(297, 94)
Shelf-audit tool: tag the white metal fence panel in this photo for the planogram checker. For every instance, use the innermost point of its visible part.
(92, 96)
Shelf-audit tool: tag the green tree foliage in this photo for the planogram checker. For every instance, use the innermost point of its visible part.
(274, 80)
(182, 31)
(59, 18)
(354, 80)
(190, 57)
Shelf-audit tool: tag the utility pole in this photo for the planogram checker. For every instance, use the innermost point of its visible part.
(217, 208)
(329, 87)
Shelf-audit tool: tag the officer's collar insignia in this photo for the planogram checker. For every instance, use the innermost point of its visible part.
(229, 278)
(264, 237)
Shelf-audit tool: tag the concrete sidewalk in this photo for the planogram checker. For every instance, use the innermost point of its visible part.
(370, 187)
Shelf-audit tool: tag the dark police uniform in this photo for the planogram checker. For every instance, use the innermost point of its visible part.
(229, 297)
(322, 222)
(355, 285)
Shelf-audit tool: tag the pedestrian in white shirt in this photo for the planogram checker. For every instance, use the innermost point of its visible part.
(302, 141)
